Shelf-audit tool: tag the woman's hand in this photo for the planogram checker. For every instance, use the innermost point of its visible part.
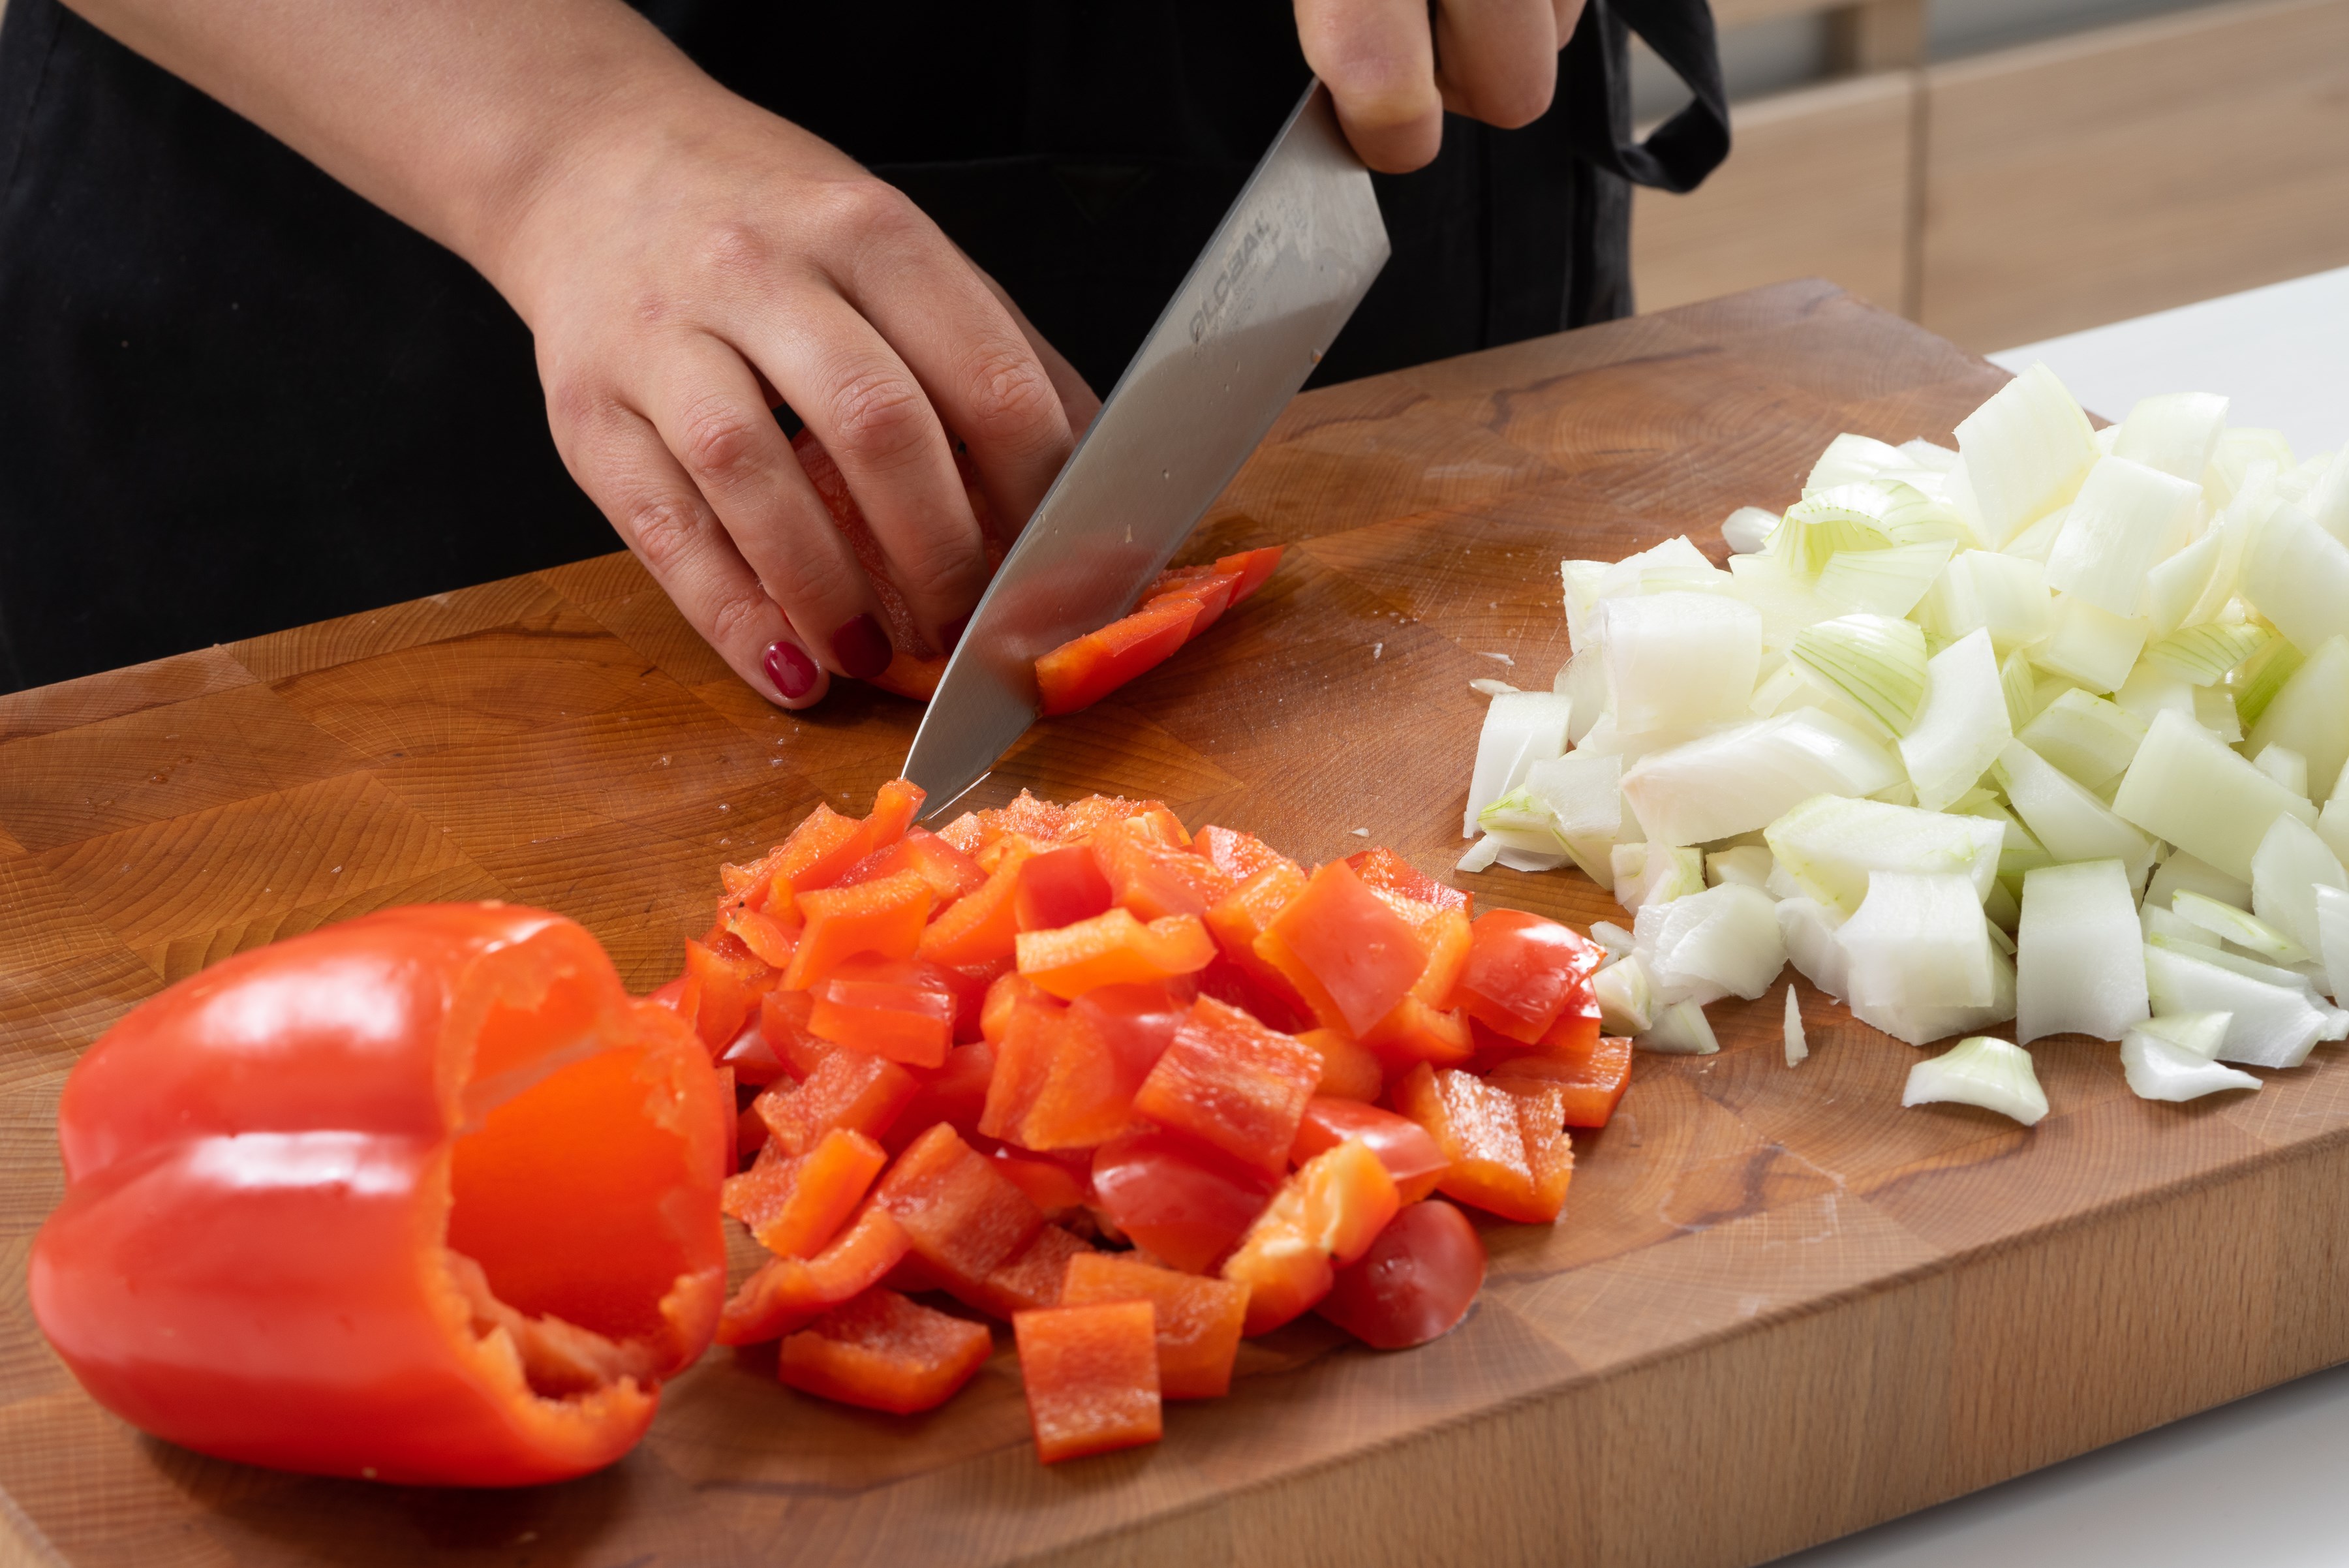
(701, 260)
(1393, 66)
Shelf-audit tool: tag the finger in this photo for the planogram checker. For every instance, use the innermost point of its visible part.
(1378, 62)
(709, 409)
(1568, 15)
(1498, 59)
(1079, 401)
(871, 415)
(624, 467)
(979, 372)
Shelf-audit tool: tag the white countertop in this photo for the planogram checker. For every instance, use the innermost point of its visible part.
(2250, 1482)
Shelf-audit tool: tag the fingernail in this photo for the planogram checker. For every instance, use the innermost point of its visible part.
(952, 631)
(862, 648)
(792, 671)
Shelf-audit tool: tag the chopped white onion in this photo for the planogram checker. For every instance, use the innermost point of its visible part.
(2299, 577)
(2184, 872)
(1613, 937)
(1627, 1001)
(1481, 854)
(2127, 518)
(1703, 946)
(2088, 738)
(1678, 660)
(2175, 433)
(2269, 1026)
(1747, 530)
(2248, 932)
(1582, 792)
(1992, 1074)
(2158, 1070)
(1649, 874)
(2284, 765)
(1980, 590)
(2187, 787)
(2091, 645)
(1749, 865)
(1745, 778)
(2333, 939)
(2079, 968)
(1521, 728)
(1832, 846)
(2289, 865)
(1798, 1047)
(2070, 823)
(1884, 582)
(1808, 929)
(1963, 724)
(2310, 712)
(2024, 453)
(2201, 1033)
(1917, 942)
(1877, 661)
(1680, 1029)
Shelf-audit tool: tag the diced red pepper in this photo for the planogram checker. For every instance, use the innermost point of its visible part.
(1091, 1375)
(1383, 871)
(728, 978)
(963, 1217)
(1252, 567)
(1350, 956)
(1151, 818)
(1084, 670)
(768, 939)
(1523, 970)
(970, 983)
(884, 1351)
(1058, 887)
(1198, 1320)
(784, 1293)
(978, 927)
(1052, 1185)
(1403, 1145)
(882, 919)
(949, 872)
(794, 1204)
(1415, 1032)
(1113, 948)
(1508, 1150)
(1350, 1070)
(954, 1094)
(783, 1025)
(1324, 1216)
(1026, 817)
(897, 1008)
(1239, 855)
(850, 1090)
(1183, 1202)
(1231, 1082)
(1246, 915)
(1153, 879)
(1023, 1062)
(1074, 1074)
(754, 1061)
(1416, 1283)
(1590, 1085)
(1029, 1278)
(1004, 996)
(1236, 987)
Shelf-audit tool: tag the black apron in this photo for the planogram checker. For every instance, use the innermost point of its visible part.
(234, 397)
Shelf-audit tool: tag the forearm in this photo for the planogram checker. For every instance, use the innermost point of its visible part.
(455, 116)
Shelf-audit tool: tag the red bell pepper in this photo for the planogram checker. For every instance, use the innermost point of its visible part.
(1183, 1202)
(1350, 1070)
(784, 1293)
(1084, 670)
(1091, 1374)
(796, 1204)
(1402, 1144)
(1523, 970)
(1058, 887)
(978, 927)
(1350, 956)
(1239, 855)
(884, 1353)
(1416, 1283)
(1507, 1143)
(423, 1196)
(1590, 1083)
(960, 1214)
(1198, 1320)
(1153, 879)
(883, 919)
(1324, 1216)
(850, 1090)
(1231, 1082)
(949, 872)
(897, 1008)
(1113, 948)
(1384, 872)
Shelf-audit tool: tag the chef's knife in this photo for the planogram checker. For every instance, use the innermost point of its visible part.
(1292, 258)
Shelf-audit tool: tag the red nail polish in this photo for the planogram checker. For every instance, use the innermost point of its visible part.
(792, 671)
(952, 631)
(862, 648)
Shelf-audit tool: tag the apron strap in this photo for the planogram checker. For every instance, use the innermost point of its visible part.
(1596, 90)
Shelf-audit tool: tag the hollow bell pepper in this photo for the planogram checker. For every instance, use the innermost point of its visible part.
(423, 1196)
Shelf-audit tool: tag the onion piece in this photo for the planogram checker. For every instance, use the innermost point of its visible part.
(2079, 968)
(2333, 938)
(2166, 928)
(1876, 661)
(1884, 582)
(1625, 997)
(2289, 865)
(2088, 738)
(2201, 1033)
(2070, 823)
(1613, 937)
(1722, 942)
(2202, 654)
(1798, 1047)
(2187, 787)
(1521, 728)
(1480, 856)
(2175, 433)
(2248, 932)
(1743, 778)
(1746, 531)
(2024, 453)
(1582, 682)
(2158, 1070)
(2284, 765)
(2126, 519)
(1680, 1029)
(2184, 871)
(2299, 577)
(1919, 942)
(2269, 1026)
(1678, 660)
(2150, 689)
(2309, 713)
(1749, 865)
(2091, 645)
(1995, 1074)
(1582, 792)
(2175, 587)
(2019, 685)
(2036, 542)
(1808, 929)
(1655, 874)
(1980, 590)
(2262, 678)
(1963, 724)
(1853, 458)
(2214, 709)
(1831, 847)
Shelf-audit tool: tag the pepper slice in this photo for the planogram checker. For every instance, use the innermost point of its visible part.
(1324, 1216)
(1113, 948)
(884, 1353)
(423, 1196)
(1231, 1082)
(786, 1292)
(1091, 1374)
(1505, 1139)
(1197, 1319)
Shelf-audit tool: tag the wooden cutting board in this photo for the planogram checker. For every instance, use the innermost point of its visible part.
(1779, 1306)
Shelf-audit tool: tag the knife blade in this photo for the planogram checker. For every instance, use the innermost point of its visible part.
(1284, 269)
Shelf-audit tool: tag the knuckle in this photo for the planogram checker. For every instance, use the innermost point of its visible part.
(665, 531)
(879, 414)
(818, 579)
(937, 570)
(1512, 104)
(720, 442)
(871, 209)
(739, 615)
(733, 249)
(1011, 397)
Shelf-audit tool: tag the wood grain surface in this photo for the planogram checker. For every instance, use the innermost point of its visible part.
(1779, 1307)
